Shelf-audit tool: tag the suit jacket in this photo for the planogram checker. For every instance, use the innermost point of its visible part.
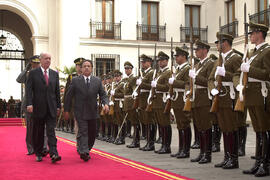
(45, 99)
(85, 99)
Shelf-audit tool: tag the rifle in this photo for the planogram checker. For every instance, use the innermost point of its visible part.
(187, 107)
(240, 103)
(169, 100)
(121, 127)
(214, 107)
(137, 89)
(152, 93)
(111, 110)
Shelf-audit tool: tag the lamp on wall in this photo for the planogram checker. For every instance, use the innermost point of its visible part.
(3, 39)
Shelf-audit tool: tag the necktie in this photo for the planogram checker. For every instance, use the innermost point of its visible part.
(87, 82)
(46, 77)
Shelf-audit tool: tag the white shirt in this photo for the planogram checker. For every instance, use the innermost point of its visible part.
(147, 70)
(47, 70)
(163, 69)
(224, 55)
(89, 77)
(201, 61)
(181, 65)
(260, 45)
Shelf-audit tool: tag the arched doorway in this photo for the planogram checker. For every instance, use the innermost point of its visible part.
(13, 53)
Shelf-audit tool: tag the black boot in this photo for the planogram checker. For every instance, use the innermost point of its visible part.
(152, 135)
(196, 144)
(226, 145)
(198, 158)
(122, 135)
(136, 137)
(167, 140)
(144, 132)
(258, 155)
(109, 132)
(146, 128)
(186, 143)
(160, 131)
(207, 140)
(232, 162)
(242, 140)
(263, 169)
(216, 135)
(128, 134)
(180, 143)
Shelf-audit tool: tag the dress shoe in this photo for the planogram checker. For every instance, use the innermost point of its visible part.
(85, 157)
(45, 153)
(262, 171)
(55, 158)
(29, 153)
(39, 158)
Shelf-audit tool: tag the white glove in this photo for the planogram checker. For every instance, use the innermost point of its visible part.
(239, 87)
(192, 73)
(138, 81)
(134, 94)
(245, 67)
(171, 80)
(112, 92)
(220, 71)
(154, 84)
(214, 92)
(188, 92)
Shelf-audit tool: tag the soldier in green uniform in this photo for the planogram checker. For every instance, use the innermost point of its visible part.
(101, 124)
(118, 116)
(11, 107)
(256, 96)
(1, 108)
(161, 86)
(146, 118)
(227, 117)
(183, 119)
(129, 87)
(201, 102)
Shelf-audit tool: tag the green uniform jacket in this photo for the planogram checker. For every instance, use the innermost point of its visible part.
(129, 87)
(259, 69)
(180, 82)
(162, 86)
(119, 94)
(232, 64)
(201, 95)
(145, 86)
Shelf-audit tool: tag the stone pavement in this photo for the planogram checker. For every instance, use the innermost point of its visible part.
(182, 166)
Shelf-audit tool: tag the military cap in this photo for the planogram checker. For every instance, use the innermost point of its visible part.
(238, 52)
(181, 51)
(162, 56)
(214, 57)
(79, 61)
(108, 76)
(144, 57)
(223, 36)
(201, 45)
(117, 73)
(257, 27)
(35, 59)
(102, 77)
(127, 64)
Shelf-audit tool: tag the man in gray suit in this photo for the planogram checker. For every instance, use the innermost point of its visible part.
(85, 89)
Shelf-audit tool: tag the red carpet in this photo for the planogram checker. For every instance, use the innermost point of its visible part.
(14, 164)
(12, 122)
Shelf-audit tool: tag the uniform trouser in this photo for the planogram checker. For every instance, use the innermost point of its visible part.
(29, 132)
(227, 119)
(133, 117)
(242, 118)
(86, 135)
(182, 119)
(146, 117)
(260, 118)
(161, 118)
(38, 134)
(202, 117)
(119, 117)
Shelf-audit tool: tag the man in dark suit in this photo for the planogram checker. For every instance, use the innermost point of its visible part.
(85, 89)
(43, 100)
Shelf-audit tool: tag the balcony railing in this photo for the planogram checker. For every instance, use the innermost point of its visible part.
(151, 32)
(105, 30)
(231, 28)
(261, 17)
(198, 33)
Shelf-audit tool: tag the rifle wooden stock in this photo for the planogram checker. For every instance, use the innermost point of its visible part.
(214, 107)
(102, 112)
(111, 110)
(149, 108)
(187, 107)
(136, 103)
(168, 106)
(239, 106)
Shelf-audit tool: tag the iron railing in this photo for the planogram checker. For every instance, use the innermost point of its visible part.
(198, 33)
(261, 17)
(231, 28)
(105, 30)
(151, 32)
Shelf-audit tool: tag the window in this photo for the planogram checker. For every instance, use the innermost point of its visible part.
(230, 11)
(262, 5)
(105, 63)
(192, 19)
